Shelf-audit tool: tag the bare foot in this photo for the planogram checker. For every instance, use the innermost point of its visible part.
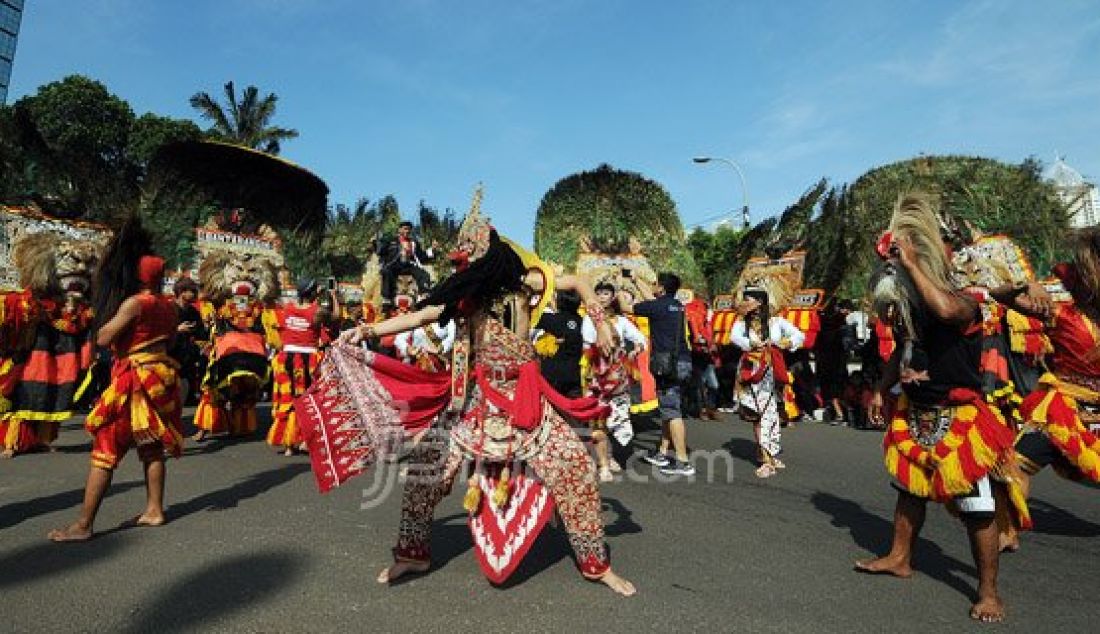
(618, 584)
(289, 451)
(148, 518)
(1010, 544)
(199, 436)
(885, 566)
(401, 568)
(71, 533)
(989, 610)
(7, 454)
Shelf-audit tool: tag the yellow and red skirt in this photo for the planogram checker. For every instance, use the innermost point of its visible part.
(140, 407)
(1054, 410)
(293, 373)
(940, 453)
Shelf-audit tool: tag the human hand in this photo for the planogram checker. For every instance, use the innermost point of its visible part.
(905, 250)
(1038, 299)
(876, 408)
(604, 339)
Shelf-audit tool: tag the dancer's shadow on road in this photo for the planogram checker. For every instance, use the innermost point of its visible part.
(229, 497)
(1051, 520)
(743, 449)
(873, 533)
(13, 514)
(215, 444)
(202, 599)
(45, 559)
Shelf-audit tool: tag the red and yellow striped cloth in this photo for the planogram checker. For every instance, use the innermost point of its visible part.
(722, 324)
(808, 320)
(977, 441)
(1053, 408)
(143, 395)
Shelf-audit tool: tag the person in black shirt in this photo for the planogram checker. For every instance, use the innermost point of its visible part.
(563, 370)
(670, 352)
(404, 255)
(185, 349)
(943, 438)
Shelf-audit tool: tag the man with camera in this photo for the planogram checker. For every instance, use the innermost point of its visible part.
(671, 366)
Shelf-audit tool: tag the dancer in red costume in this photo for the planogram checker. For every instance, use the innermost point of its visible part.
(494, 409)
(142, 404)
(300, 325)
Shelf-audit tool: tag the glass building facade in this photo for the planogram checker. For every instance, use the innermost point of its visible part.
(11, 14)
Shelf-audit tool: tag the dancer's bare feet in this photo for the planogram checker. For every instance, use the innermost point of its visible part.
(1010, 543)
(618, 584)
(401, 568)
(148, 518)
(887, 565)
(199, 436)
(7, 454)
(289, 451)
(988, 610)
(72, 533)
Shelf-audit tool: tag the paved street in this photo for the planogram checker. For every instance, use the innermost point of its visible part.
(251, 546)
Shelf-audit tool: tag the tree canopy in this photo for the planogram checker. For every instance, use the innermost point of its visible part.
(608, 207)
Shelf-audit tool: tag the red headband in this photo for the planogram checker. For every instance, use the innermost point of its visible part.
(150, 270)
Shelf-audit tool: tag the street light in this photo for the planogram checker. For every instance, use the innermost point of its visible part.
(741, 175)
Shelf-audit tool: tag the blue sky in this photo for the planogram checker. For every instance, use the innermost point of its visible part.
(425, 98)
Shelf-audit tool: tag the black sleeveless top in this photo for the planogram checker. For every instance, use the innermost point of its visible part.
(951, 357)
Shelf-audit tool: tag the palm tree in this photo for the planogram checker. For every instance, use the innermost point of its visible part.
(246, 122)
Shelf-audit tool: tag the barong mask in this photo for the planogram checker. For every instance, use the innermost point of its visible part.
(226, 274)
(51, 266)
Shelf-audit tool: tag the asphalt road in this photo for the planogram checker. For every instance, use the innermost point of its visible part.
(252, 547)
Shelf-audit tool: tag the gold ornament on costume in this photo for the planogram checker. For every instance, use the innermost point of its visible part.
(473, 236)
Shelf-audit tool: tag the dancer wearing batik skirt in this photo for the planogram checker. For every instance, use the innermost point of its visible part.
(141, 406)
(501, 414)
(943, 440)
(300, 327)
(762, 373)
(609, 377)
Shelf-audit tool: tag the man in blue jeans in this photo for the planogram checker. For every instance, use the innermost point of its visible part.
(668, 336)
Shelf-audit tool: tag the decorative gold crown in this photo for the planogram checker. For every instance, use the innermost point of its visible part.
(473, 236)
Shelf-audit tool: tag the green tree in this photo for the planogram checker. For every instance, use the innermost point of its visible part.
(716, 253)
(74, 134)
(607, 207)
(245, 121)
(149, 132)
(993, 196)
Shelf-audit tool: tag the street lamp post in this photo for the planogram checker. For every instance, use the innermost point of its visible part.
(744, 186)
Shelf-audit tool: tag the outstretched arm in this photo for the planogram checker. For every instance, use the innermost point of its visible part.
(392, 326)
(1031, 299)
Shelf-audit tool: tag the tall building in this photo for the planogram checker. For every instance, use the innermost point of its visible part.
(1081, 195)
(11, 14)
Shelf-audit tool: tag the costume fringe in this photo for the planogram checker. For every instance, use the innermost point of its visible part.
(976, 441)
(1054, 412)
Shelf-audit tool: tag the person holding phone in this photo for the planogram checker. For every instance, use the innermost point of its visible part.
(190, 331)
